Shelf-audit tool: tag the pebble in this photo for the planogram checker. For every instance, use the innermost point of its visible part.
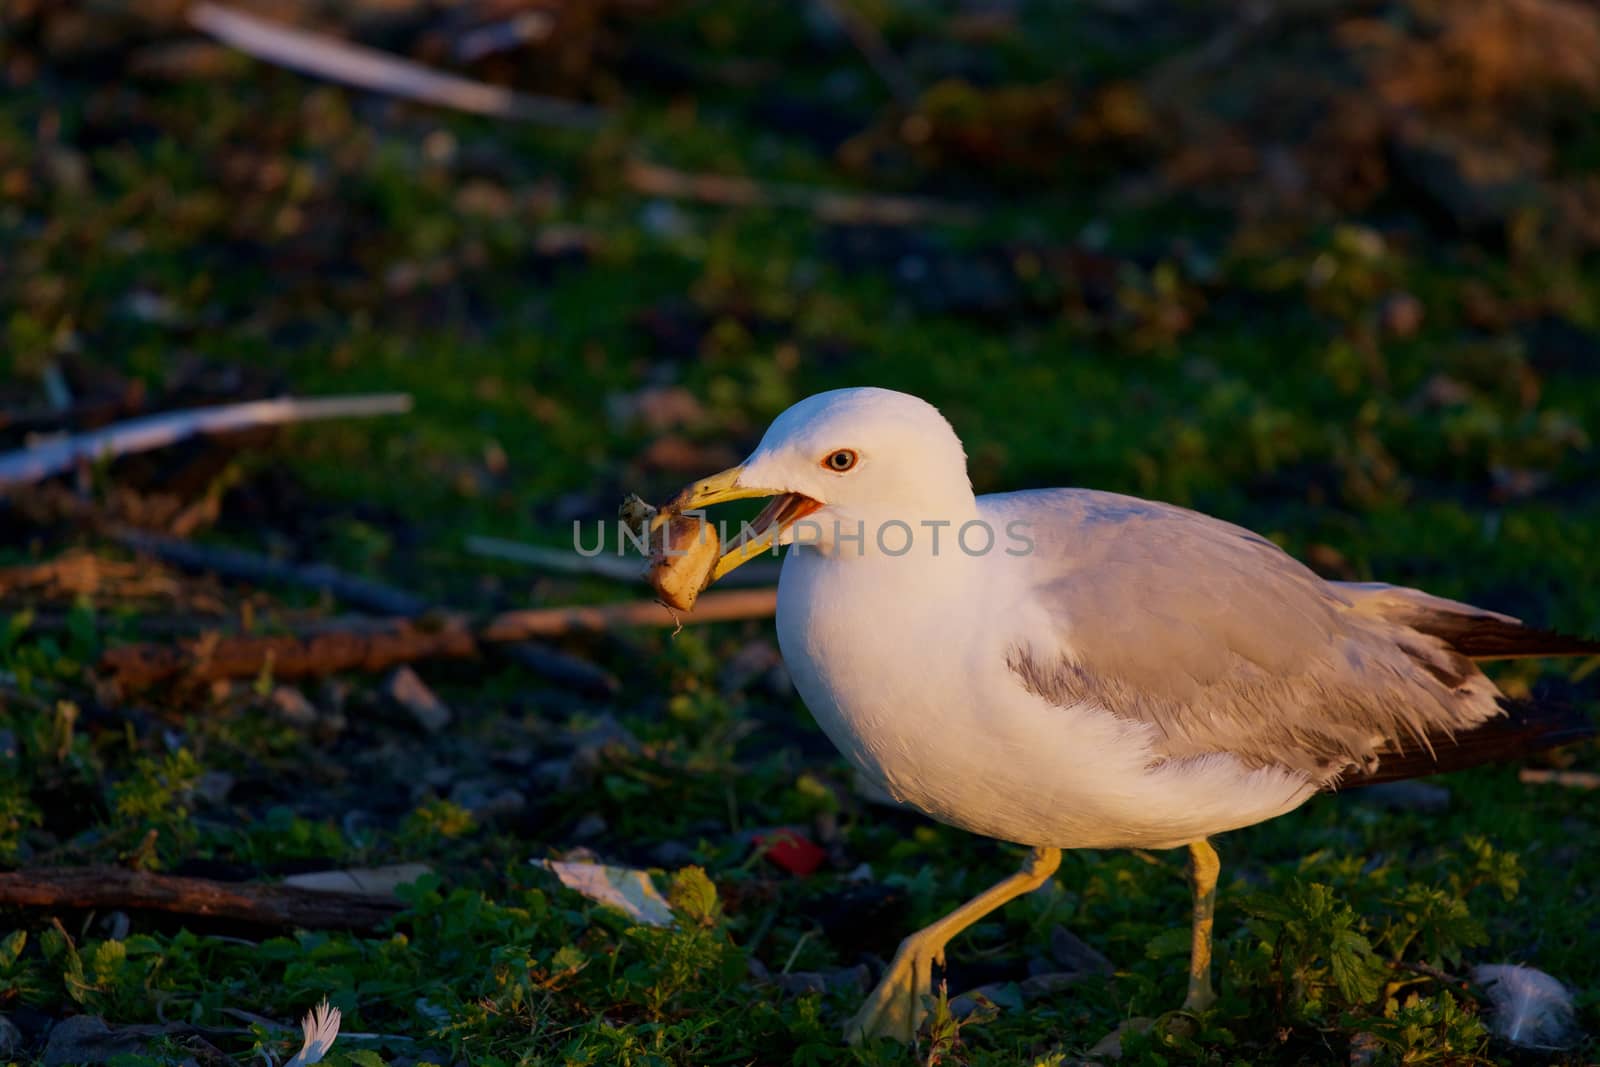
(410, 693)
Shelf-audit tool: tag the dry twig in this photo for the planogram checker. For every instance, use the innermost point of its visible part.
(378, 71)
(237, 565)
(829, 205)
(617, 568)
(595, 618)
(876, 51)
(150, 432)
(267, 905)
(1570, 779)
(373, 647)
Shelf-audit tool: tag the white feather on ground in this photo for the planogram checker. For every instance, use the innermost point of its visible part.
(1531, 1009)
(321, 1026)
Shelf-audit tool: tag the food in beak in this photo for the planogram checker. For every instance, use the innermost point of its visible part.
(634, 512)
(682, 557)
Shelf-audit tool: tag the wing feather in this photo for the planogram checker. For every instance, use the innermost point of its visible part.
(1222, 642)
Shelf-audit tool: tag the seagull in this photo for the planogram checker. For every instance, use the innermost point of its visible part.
(1070, 668)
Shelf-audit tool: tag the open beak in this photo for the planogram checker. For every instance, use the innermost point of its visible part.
(784, 510)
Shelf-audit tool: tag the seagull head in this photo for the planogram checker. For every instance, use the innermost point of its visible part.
(849, 456)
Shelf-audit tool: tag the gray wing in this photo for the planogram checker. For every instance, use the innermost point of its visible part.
(1223, 642)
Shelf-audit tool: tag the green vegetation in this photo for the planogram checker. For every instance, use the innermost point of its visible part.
(1386, 400)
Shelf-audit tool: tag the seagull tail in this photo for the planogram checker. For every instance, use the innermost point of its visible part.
(1488, 637)
(1474, 632)
(1528, 726)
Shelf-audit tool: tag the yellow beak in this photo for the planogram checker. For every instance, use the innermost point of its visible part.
(717, 489)
(759, 536)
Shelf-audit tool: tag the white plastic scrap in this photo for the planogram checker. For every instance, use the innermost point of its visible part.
(1531, 1008)
(321, 1026)
(629, 891)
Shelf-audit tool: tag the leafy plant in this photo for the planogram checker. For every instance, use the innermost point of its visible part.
(1312, 949)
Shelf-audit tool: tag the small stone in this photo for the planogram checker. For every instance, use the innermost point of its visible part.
(798, 983)
(292, 706)
(489, 802)
(589, 827)
(1110, 1046)
(86, 1039)
(672, 854)
(554, 773)
(514, 758)
(747, 665)
(214, 787)
(602, 732)
(1072, 953)
(1405, 796)
(410, 693)
(1015, 995)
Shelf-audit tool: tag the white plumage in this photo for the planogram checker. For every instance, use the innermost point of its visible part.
(1067, 668)
(1531, 1009)
(321, 1029)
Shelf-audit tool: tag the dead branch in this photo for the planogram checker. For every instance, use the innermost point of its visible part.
(214, 658)
(237, 565)
(829, 205)
(81, 573)
(150, 432)
(561, 668)
(596, 618)
(876, 51)
(375, 646)
(369, 68)
(616, 568)
(1570, 779)
(267, 905)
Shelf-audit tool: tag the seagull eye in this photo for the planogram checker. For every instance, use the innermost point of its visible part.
(840, 461)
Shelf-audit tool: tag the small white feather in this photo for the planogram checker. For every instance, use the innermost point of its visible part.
(1531, 1009)
(321, 1026)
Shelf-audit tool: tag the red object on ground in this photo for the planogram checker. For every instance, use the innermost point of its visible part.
(793, 852)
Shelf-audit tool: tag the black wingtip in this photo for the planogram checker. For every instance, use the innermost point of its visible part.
(1528, 726)
(1487, 637)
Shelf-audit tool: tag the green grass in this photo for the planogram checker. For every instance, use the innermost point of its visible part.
(1281, 404)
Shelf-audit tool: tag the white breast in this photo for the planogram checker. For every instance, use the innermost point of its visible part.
(903, 666)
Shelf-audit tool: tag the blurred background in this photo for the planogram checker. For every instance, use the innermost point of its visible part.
(1305, 263)
(1325, 268)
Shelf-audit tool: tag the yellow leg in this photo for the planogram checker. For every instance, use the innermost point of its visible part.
(896, 1007)
(1204, 867)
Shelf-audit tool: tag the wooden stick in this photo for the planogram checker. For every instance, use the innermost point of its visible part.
(150, 432)
(267, 905)
(554, 622)
(616, 568)
(369, 68)
(1570, 779)
(875, 50)
(238, 565)
(828, 204)
(214, 658)
(376, 646)
(559, 667)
